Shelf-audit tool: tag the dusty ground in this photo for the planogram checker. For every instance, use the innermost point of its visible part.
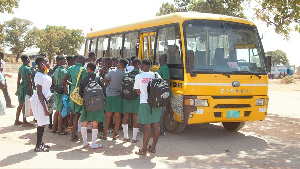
(272, 143)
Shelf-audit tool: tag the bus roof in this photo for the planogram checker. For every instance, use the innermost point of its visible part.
(177, 17)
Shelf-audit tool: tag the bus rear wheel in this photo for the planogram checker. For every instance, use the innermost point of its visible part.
(233, 126)
(171, 125)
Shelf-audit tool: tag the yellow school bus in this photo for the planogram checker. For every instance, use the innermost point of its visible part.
(217, 64)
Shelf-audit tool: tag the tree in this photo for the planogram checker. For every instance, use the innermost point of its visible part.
(8, 5)
(224, 7)
(284, 15)
(1, 33)
(58, 40)
(18, 35)
(278, 57)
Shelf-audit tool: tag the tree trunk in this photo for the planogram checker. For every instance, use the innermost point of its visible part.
(17, 58)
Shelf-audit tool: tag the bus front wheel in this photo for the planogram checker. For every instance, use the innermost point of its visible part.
(171, 125)
(233, 126)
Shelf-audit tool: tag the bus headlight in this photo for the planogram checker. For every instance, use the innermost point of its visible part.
(201, 103)
(259, 102)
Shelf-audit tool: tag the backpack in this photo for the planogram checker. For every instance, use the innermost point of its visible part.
(93, 96)
(158, 92)
(34, 70)
(128, 92)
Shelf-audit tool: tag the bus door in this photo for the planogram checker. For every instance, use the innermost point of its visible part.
(148, 41)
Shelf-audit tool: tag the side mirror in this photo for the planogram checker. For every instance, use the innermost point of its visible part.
(269, 63)
(189, 60)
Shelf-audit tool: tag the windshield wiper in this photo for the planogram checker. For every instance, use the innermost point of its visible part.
(249, 73)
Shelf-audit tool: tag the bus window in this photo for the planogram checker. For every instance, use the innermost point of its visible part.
(130, 44)
(152, 41)
(87, 47)
(115, 46)
(102, 47)
(93, 45)
(168, 43)
(145, 48)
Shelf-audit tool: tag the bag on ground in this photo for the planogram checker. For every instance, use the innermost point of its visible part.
(158, 92)
(93, 96)
(128, 92)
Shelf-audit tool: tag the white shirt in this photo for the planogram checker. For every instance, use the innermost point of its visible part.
(141, 82)
(129, 68)
(2, 65)
(45, 81)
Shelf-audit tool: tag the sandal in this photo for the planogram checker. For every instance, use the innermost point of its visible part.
(135, 141)
(17, 123)
(53, 131)
(70, 128)
(116, 137)
(45, 145)
(75, 139)
(151, 150)
(125, 140)
(41, 148)
(141, 153)
(63, 133)
(85, 146)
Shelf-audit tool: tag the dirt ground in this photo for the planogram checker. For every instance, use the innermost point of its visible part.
(272, 143)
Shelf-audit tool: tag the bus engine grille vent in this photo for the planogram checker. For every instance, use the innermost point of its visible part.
(232, 106)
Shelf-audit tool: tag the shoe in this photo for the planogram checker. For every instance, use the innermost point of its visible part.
(97, 146)
(11, 106)
(125, 140)
(134, 141)
(162, 133)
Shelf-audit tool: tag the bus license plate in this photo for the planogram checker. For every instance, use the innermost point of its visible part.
(233, 114)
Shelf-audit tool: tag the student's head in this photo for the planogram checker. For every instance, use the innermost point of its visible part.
(146, 65)
(132, 59)
(137, 63)
(1, 55)
(42, 62)
(91, 67)
(70, 60)
(60, 60)
(75, 58)
(25, 59)
(115, 62)
(122, 64)
(81, 60)
(162, 59)
(98, 61)
(92, 57)
(108, 62)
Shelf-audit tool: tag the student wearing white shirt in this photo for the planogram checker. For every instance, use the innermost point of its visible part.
(5, 91)
(147, 116)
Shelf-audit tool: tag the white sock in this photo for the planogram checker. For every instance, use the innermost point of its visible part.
(125, 131)
(84, 135)
(134, 132)
(94, 136)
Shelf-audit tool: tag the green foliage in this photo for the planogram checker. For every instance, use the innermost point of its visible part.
(8, 5)
(288, 79)
(278, 57)
(7, 59)
(58, 40)
(1, 33)
(18, 35)
(284, 15)
(227, 7)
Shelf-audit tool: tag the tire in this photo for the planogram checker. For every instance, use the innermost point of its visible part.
(233, 126)
(171, 125)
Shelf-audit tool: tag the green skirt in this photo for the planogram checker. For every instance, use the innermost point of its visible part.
(75, 107)
(58, 101)
(22, 92)
(131, 106)
(146, 117)
(114, 104)
(98, 116)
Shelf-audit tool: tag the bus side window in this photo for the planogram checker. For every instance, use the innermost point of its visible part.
(94, 45)
(102, 47)
(116, 46)
(130, 44)
(87, 47)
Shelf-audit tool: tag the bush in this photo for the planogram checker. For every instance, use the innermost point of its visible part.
(7, 59)
(288, 79)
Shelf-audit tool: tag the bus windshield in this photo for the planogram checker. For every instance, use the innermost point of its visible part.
(223, 47)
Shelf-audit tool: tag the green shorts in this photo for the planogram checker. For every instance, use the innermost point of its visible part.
(114, 104)
(131, 106)
(145, 116)
(98, 116)
(58, 101)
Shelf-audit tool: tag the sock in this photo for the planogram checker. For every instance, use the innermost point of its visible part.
(134, 132)
(94, 136)
(125, 131)
(84, 135)
(39, 136)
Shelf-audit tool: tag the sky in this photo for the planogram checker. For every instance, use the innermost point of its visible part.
(101, 14)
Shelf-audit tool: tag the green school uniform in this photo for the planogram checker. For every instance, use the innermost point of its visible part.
(98, 116)
(24, 85)
(73, 72)
(146, 117)
(164, 73)
(132, 106)
(59, 74)
(114, 104)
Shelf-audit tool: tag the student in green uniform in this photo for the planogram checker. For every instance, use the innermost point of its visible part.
(59, 74)
(73, 72)
(164, 73)
(147, 116)
(24, 88)
(131, 106)
(71, 61)
(114, 102)
(95, 117)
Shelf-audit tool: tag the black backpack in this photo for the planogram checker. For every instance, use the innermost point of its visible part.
(93, 96)
(158, 92)
(34, 70)
(128, 92)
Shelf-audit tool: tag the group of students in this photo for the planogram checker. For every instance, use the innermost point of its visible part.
(79, 73)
